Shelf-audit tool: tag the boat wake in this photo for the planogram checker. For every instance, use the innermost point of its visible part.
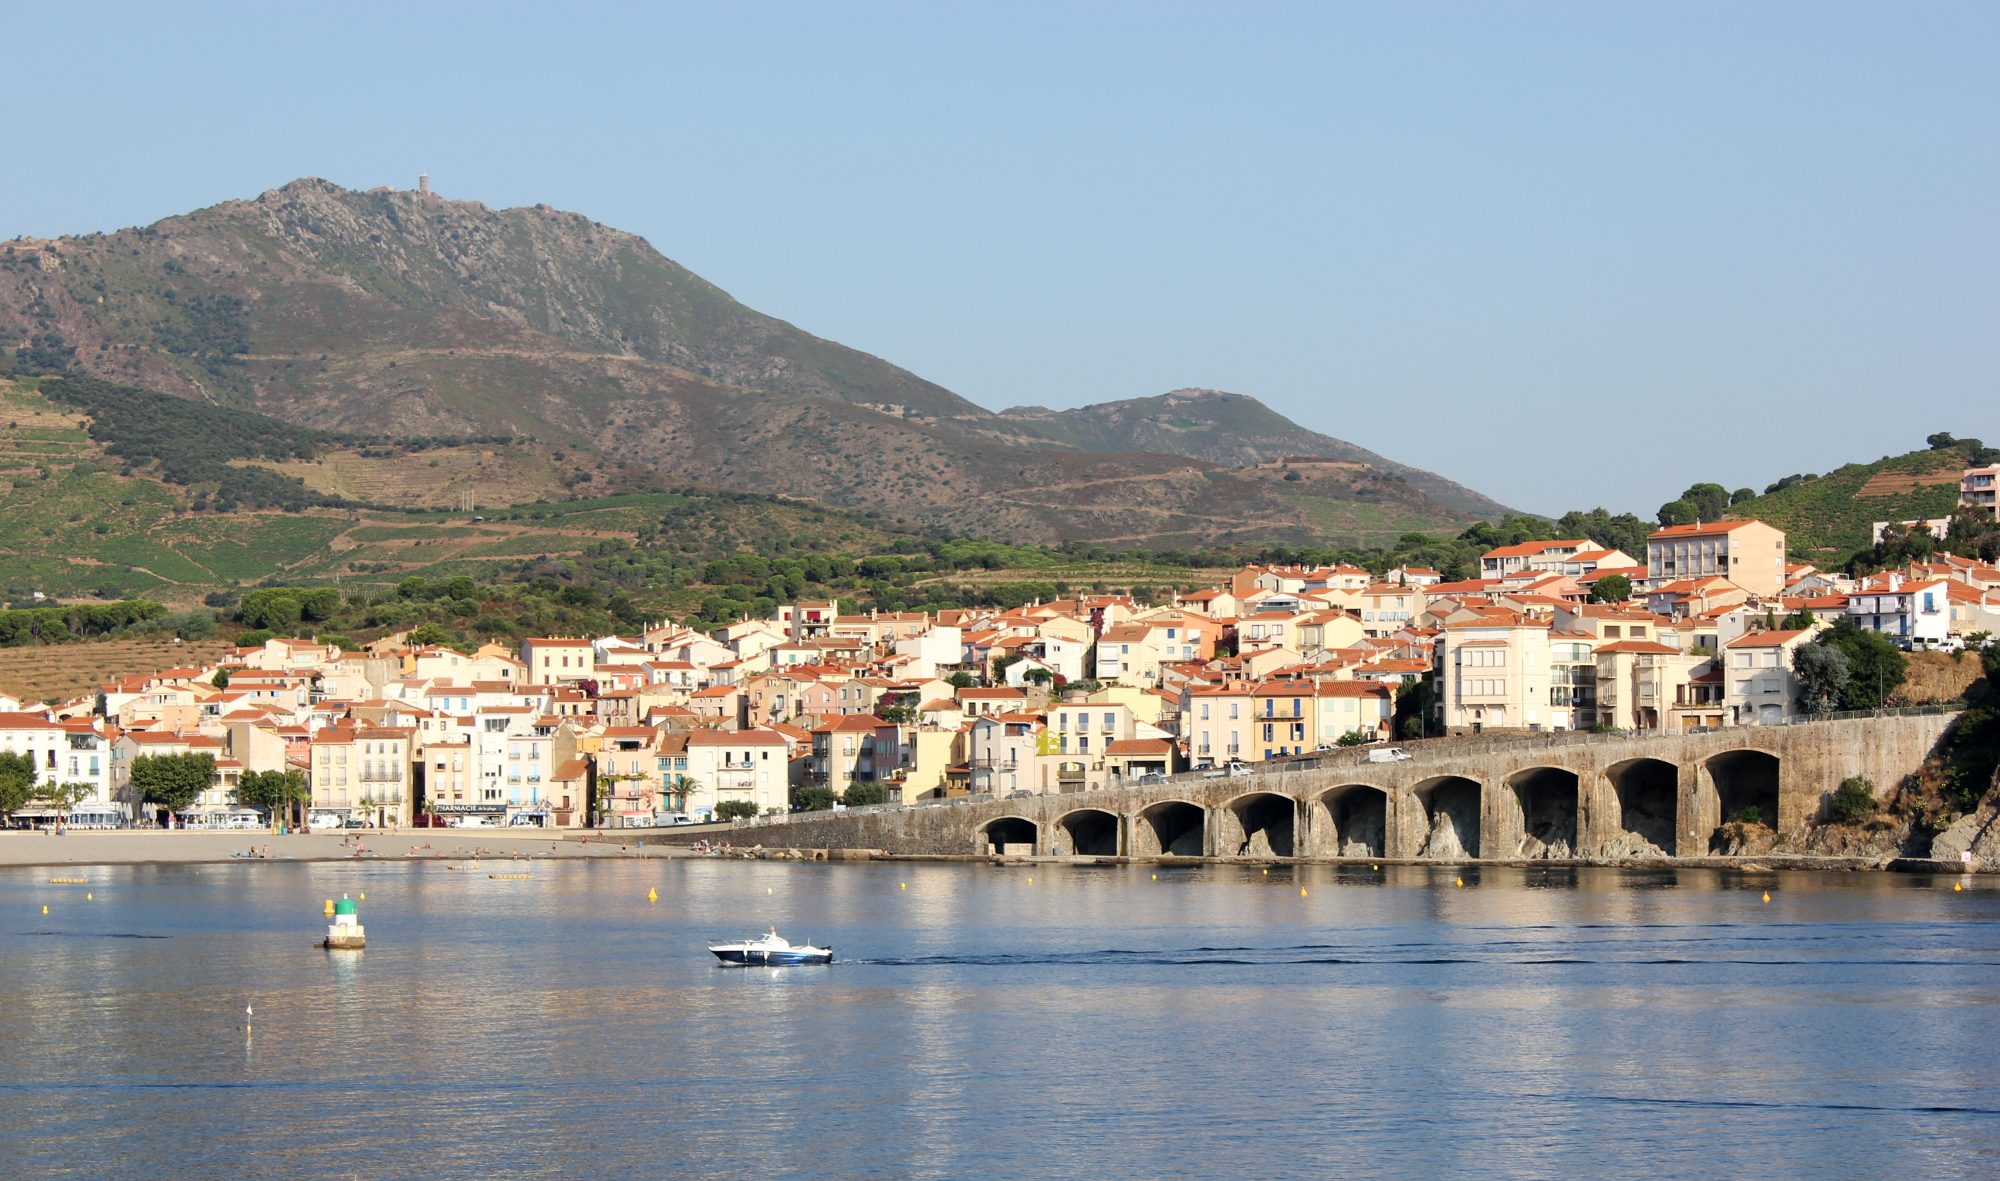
(1502, 953)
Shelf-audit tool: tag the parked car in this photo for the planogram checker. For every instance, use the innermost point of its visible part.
(1230, 770)
(1389, 754)
(1019, 795)
(1150, 778)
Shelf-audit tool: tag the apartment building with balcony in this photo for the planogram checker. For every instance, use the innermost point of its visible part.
(1640, 682)
(1759, 688)
(1493, 673)
(629, 776)
(1979, 488)
(558, 661)
(1216, 722)
(78, 750)
(1911, 614)
(1002, 752)
(1750, 554)
(1508, 559)
(1572, 679)
(857, 749)
(747, 766)
(364, 773)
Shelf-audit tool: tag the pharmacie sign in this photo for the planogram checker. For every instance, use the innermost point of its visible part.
(469, 809)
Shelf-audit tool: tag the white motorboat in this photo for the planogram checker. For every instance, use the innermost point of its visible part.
(771, 949)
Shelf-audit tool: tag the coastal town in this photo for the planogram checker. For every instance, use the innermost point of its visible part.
(816, 707)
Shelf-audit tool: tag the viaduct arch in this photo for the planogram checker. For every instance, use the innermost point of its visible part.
(1498, 797)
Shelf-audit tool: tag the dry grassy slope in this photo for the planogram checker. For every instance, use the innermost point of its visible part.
(61, 671)
(1938, 676)
(437, 477)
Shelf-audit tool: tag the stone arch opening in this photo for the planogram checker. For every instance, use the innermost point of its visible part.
(1745, 783)
(1451, 818)
(1008, 836)
(1087, 832)
(1545, 798)
(1355, 819)
(1171, 828)
(1261, 824)
(1648, 794)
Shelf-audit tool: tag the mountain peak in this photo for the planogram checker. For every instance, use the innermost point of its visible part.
(403, 314)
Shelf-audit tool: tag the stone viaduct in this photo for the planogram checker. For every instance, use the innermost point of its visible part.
(1503, 798)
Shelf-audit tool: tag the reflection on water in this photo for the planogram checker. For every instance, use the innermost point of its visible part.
(1092, 1020)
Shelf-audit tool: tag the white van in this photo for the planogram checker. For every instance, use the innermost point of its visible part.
(1388, 754)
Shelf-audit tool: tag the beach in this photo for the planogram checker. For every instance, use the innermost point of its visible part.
(148, 846)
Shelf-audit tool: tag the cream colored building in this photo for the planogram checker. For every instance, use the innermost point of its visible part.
(555, 661)
(1750, 554)
(1759, 688)
(363, 773)
(1494, 674)
(1641, 682)
(748, 766)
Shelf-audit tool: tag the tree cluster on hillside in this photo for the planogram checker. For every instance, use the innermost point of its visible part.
(198, 445)
(278, 608)
(79, 621)
(45, 352)
(1701, 502)
(193, 444)
(1977, 454)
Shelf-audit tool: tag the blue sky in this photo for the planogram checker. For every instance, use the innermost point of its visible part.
(1568, 254)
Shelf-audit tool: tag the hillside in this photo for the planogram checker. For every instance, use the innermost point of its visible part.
(395, 315)
(1223, 428)
(1826, 518)
(81, 519)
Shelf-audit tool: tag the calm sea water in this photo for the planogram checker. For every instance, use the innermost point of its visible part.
(999, 1022)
